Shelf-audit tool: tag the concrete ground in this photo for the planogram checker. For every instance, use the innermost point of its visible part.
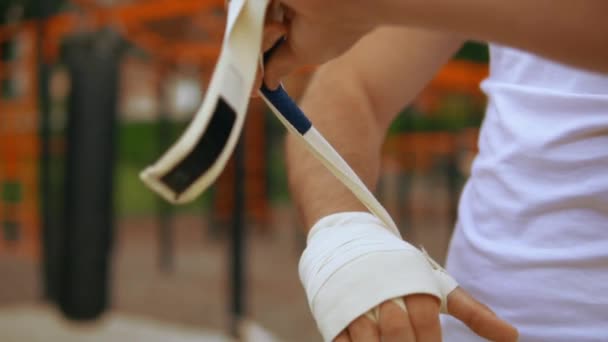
(40, 323)
(190, 302)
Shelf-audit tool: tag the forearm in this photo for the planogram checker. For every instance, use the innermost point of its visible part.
(352, 101)
(573, 32)
(314, 189)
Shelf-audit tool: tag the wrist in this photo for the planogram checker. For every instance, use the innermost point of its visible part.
(340, 219)
(353, 262)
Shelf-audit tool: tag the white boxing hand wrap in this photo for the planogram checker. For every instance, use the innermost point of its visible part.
(353, 263)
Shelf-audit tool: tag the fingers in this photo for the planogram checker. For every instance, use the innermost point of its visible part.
(479, 317)
(275, 11)
(363, 330)
(257, 83)
(424, 316)
(418, 323)
(273, 31)
(282, 62)
(394, 324)
(421, 321)
(343, 337)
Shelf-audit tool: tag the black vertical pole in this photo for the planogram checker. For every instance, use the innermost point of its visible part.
(49, 267)
(165, 212)
(94, 64)
(237, 250)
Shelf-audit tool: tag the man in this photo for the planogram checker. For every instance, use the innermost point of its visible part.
(531, 239)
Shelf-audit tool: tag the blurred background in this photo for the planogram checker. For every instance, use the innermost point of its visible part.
(93, 91)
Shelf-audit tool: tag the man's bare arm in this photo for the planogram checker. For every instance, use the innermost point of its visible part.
(571, 32)
(352, 101)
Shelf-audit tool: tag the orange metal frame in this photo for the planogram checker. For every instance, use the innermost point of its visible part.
(131, 18)
(19, 150)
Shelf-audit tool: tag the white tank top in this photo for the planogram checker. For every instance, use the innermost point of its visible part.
(532, 233)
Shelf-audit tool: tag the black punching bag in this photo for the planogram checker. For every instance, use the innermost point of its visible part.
(93, 60)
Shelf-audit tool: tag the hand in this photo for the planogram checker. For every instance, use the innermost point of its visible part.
(273, 31)
(318, 31)
(352, 262)
(421, 321)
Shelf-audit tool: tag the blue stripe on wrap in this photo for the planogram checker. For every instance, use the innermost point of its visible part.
(288, 108)
(282, 102)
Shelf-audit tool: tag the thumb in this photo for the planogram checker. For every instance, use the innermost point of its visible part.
(479, 318)
(281, 63)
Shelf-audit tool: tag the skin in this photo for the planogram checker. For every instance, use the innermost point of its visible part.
(571, 32)
(370, 95)
(354, 97)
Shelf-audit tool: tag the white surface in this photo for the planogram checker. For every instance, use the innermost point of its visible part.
(532, 239)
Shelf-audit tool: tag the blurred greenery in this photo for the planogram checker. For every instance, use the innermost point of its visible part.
(275, 152)
(11, 192)
(474, 51)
